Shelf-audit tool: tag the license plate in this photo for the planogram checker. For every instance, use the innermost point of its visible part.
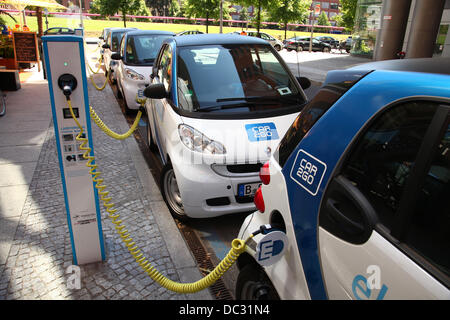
(248, 189)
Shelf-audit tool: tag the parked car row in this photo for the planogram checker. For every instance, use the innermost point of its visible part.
(362, 170)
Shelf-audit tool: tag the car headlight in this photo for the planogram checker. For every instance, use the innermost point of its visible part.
(197, 141)
(133, 75)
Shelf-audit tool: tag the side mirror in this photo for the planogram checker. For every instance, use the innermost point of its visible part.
(155, 91)
(304, 82)
(106, 46)
(116, 56)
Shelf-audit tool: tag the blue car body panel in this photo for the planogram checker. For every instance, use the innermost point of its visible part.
(321, 151)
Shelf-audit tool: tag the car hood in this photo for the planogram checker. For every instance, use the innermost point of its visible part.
(245, 141)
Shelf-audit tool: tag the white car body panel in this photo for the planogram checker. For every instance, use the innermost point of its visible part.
(132, 88)
(194, 170)
(343, 264)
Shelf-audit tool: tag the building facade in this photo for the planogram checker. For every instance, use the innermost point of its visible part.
(330, 7)
(85, 4)
(385, 29)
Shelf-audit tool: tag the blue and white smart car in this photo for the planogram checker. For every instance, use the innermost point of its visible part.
(360, 186)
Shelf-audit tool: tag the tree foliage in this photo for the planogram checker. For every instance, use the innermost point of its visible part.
(259, 5)
(289, 11)
(209, 9)
(124, 7)
(348, 10)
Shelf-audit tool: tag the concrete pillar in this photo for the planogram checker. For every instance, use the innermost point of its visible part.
(394, 20)
(424, 28)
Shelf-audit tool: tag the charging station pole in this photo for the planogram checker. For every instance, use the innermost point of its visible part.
(64, 57)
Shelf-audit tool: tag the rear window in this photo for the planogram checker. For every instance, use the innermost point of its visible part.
(314, 110)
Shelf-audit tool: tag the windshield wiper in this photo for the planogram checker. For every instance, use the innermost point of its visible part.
(227, 106)
(264, 100)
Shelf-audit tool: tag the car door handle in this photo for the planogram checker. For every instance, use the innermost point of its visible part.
(342, 219)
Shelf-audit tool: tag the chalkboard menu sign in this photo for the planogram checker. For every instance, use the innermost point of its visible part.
(25, 46)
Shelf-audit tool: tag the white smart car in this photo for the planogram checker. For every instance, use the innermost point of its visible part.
(111, 45)
(134, 59)
(217, 107)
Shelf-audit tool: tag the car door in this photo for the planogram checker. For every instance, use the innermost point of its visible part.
(162, 74)
(384, 218)
(120, 70)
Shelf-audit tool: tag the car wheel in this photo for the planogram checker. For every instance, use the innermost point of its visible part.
(253, 284)
(171, 193)
(299, 49)
(125, 104)
(277, 47)
(151, 145)
(326, 49)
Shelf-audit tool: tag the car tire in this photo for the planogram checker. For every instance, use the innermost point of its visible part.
(125, 104)
(299, 49)
(326, 49)
(171, 193)
(253, 284)
(151, 144)
(277, 47)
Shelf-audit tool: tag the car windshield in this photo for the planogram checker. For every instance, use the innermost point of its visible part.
(224, 78)
(115, 40)
(143, 49)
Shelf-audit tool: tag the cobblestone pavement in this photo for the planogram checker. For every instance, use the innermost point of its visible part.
(41, 253)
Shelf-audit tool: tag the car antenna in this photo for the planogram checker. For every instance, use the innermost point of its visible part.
(296, 53)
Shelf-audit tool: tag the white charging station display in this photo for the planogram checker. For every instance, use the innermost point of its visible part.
(64, 55)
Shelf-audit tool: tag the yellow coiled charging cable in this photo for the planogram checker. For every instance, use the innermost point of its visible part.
(238, 246)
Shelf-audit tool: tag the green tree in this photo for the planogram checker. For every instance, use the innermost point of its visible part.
(209, 9)
(124, 7)
(348, 9)
(243, 16)
(286, 11)
(259, 5)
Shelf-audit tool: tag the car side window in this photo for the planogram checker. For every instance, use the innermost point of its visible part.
(165, 68)
(122, 47)
(429, 230)
(380, 163)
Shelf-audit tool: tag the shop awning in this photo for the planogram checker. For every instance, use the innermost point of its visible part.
(34, 3)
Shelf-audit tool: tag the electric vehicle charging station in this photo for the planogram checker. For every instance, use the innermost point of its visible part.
(66, 70)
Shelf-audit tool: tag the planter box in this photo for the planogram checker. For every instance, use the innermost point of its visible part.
(8, 63)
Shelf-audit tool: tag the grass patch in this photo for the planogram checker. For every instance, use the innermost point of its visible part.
(93, 28)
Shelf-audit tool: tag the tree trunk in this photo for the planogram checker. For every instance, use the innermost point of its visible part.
(285, 29)
(258, 22)
(124, 14)
(207, 16)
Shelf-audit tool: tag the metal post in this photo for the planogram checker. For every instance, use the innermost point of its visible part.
(394, 20)
(221, 16)
(424, 28)
(81, 15)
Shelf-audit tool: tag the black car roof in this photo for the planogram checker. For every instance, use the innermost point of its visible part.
(209, 39)
(142, 32)
(122, 29)
(428, 65)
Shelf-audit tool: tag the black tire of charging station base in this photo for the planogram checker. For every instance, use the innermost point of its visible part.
(174, 210)
(151, 145)
(251, 281)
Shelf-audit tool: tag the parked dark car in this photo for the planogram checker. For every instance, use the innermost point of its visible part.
(302, 43)
(58, 30)
(330, 40)
(346, 44)
(188, 32)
